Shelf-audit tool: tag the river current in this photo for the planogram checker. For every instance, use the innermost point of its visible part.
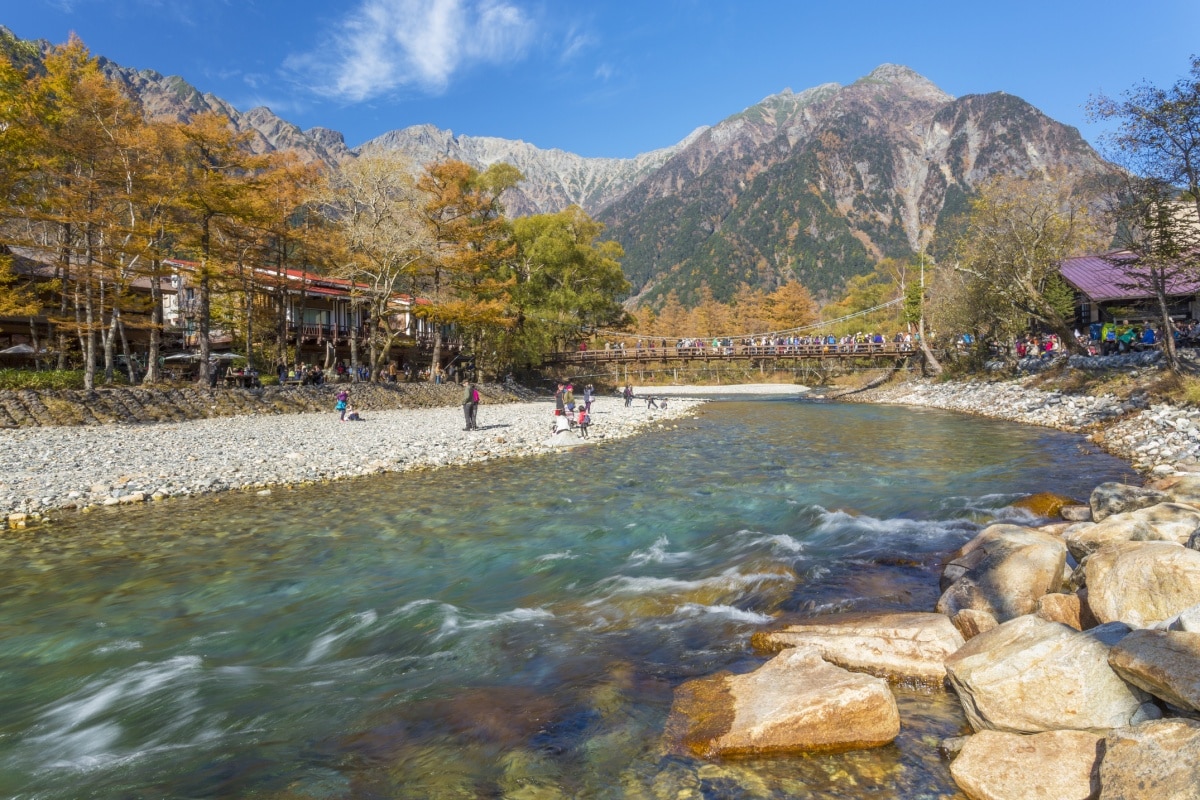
(509, 630)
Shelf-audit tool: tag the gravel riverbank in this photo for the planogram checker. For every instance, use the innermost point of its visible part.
(74, 467)
(1153, 437)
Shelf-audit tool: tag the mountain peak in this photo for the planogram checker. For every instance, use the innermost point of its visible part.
(911, 80)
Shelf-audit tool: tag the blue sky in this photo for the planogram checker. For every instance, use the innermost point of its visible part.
(612, 77)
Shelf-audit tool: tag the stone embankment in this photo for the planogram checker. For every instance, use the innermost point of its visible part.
(57, 467)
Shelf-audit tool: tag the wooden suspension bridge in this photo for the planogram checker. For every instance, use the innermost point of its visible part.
(815, 363)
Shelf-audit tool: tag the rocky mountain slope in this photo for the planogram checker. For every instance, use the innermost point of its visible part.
(819, 185)
(554, 179)
(816, 185)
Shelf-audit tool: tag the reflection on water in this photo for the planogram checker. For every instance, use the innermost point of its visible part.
(508, 630)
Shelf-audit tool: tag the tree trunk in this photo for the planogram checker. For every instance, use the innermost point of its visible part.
(437, 352)
(1168, 329)
(130, 364)
(108, 341)
(203, 325)
(156, 322)
(931, 362)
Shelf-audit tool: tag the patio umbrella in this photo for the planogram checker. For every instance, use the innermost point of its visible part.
(226, 357)
(17, 350)
(182, 357)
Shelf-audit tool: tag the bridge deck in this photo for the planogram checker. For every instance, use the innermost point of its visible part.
(737, 353)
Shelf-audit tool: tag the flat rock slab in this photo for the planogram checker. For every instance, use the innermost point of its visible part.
(1141, 583)
(1032, 676)
(1164, 663)
(899, 646)
(1152, 761)
(1056, 765)
(795, 703)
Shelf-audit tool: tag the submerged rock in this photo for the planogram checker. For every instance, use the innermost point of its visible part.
(1045, 504)
(1056, 765)
(897, 646)
(797, 702)
(1031, 676)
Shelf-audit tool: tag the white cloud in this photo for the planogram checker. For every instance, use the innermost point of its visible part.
(387, 44)
(576, 42)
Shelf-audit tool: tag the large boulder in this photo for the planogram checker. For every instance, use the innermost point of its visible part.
(1152, 761)
(795, 703)
(1031, 676)
(1056, 765)
(906, 647)
(1005, 569)
(1141, 583)
(1164, 663)
(1164, 522)
(1116, 498)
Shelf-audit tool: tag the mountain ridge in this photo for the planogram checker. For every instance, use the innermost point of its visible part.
(814, 185)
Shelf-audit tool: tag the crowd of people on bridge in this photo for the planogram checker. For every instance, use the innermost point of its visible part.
(782, 345)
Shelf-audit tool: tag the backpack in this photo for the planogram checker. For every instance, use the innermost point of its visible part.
(474, 395)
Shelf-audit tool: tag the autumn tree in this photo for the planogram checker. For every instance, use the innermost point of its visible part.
(466, 281)
(567, 281)
(219, 180)
(375, 203)
(1018, 232)
(790, 306)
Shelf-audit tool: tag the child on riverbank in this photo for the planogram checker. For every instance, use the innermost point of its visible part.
(343, 400)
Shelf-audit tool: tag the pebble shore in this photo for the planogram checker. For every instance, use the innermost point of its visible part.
(76, 467)
(1155, 438)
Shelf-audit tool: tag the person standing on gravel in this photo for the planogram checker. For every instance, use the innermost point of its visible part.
(470, 403)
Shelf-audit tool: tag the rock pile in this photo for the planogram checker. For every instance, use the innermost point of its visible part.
(1073, 647)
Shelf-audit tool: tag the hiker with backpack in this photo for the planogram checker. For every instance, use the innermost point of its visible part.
(470, 404)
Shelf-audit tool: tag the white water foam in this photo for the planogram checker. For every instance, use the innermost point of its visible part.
(693, 610)
(838, 522)
(657, 554)
(73, 734)
(566, 555)
(455, 621)
(779, 542)
(331, 636)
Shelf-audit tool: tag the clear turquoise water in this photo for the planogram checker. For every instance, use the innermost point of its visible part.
(509, 630)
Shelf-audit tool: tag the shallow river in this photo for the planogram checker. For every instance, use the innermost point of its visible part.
(509, 630)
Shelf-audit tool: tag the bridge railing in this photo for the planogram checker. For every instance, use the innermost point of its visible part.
(737, 352)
